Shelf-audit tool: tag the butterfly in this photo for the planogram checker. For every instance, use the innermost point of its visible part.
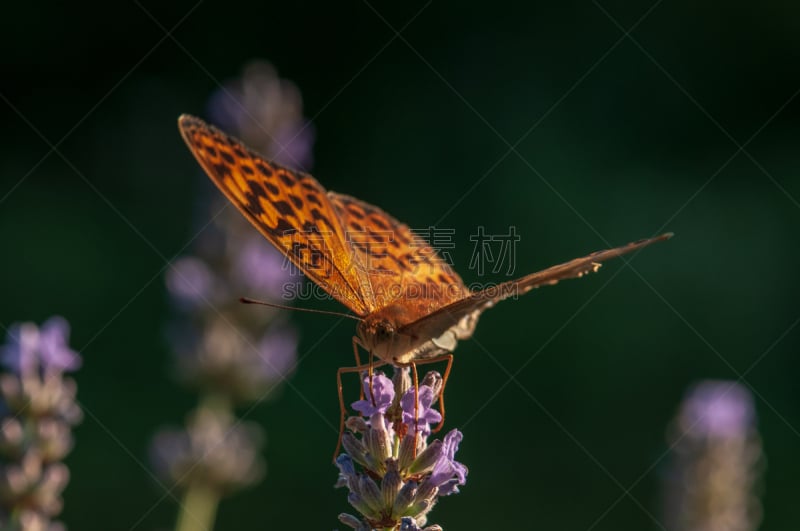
(410, 304)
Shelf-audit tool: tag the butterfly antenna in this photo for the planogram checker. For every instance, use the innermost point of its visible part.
(248, 300)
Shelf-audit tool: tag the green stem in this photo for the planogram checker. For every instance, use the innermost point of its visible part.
(198, 509)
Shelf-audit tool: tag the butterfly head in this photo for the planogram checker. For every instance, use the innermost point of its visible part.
(384, 330)
(379, 334)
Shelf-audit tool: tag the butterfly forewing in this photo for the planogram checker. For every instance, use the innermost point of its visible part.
(290, 208)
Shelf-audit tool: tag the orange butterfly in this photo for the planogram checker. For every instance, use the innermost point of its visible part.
(410, 304)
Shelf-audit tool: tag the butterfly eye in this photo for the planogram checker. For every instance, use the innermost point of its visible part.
(384, 329)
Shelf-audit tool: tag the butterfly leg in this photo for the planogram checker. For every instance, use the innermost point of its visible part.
(416, 404)
(371, 365)
(356, 344)
(342, 409)
(444, 357)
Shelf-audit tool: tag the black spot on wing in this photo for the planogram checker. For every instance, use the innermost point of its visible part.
(355, 212)
(287, 179)
(403, 238)
(253, 196)
(310, 228)
(319, 216)
(221, 169)
(271, 188)
(283, 228)
(379, 222)
(264, 169)
(283, 208)
(254, 205)
(374, 236)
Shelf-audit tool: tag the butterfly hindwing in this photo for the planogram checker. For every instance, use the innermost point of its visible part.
(401, 265)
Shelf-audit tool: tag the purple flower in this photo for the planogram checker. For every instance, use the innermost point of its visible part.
(227, 360)
(716, 460)
(345, 464)
(232, 353)
(190, 280)
(277, 352)
(265, 111)
(718, 409)
(30, 348)
(296, 143)
(395, 475)
(55, 353)
(447, 472)
(19, 353)
(221, 344)
(382, 391)
(214, 449)
(260, 268)
(424, 415)
(37, 412)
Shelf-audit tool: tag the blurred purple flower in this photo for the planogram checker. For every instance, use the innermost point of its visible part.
(266, 112)
(222, 358)
(716, 461)
(30, 348)
(214, 450)
(296, 143)
(37, 411)
(190, 281)
(221, 343)
(232, 353)
(261, 268)
(718, 409)
(20, 352)
(56, 354)
(278, 352)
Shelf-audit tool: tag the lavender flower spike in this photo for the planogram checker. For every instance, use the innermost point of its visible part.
(230, 353)
(37, 411)
(394, 475)
(716, 461)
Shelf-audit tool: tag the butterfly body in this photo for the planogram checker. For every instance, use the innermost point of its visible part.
(410, 303)
(384, 335)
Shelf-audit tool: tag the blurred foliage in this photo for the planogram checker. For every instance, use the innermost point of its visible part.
(620, 138)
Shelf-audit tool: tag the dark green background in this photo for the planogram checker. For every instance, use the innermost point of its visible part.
(631, 136)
